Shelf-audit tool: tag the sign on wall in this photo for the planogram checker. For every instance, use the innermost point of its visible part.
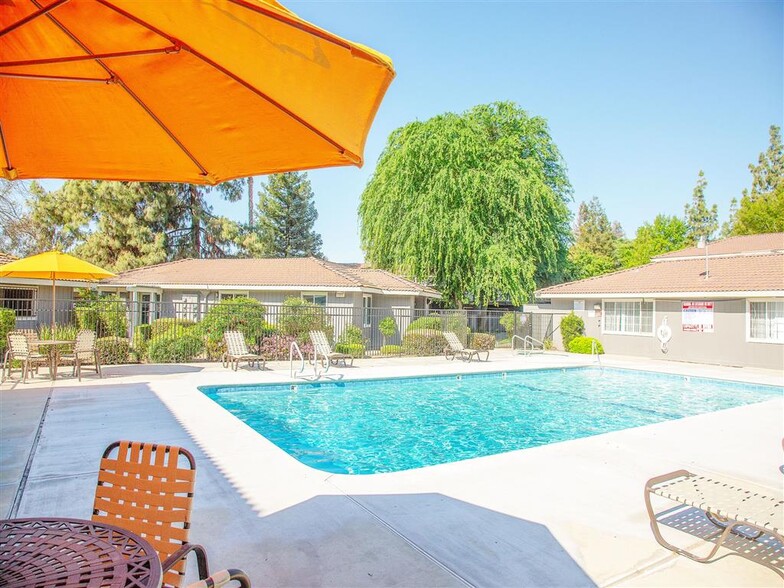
(697, 316)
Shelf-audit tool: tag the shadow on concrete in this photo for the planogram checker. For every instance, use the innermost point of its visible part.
(412, 540)
(148, 369)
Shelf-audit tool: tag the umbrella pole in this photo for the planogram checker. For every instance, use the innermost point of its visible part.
(54, 305)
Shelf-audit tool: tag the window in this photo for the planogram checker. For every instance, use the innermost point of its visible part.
(766, 320)
(232, 295)
(628, 317)
(23, 301)
(367, 304)
(317, 298)
(187, 308)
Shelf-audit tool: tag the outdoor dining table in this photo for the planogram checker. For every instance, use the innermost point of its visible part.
(54, 359)
(73, 553)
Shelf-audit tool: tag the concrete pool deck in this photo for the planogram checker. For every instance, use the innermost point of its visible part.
(566, 514)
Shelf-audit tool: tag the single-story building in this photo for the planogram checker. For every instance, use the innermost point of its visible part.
(722, 304)
(188, 287)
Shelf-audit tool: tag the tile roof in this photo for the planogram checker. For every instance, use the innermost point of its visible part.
(298, 272)
(743, 244)
(741, 273)
(6, 258)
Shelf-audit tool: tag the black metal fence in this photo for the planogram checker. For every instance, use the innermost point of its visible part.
(161, 332)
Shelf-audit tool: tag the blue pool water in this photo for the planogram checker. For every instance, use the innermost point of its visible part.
(371, 426)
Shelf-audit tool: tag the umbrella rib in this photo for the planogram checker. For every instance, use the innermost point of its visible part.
(54, 78)
(8, 172)
(32, 16)
(353, 157)
(90, 57)
(115, 78)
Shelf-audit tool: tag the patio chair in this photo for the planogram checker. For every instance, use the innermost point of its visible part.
(322, 349)
(84, 353)
(455, 348)
(148, 489)
(18, 349)
(222, 578)
(746, 512)
(237, 351)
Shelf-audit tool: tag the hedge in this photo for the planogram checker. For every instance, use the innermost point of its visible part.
(113, 350)
(276, 347)
(175, 349)
(391, 350)
(584, 344)
(234, 314)
(7, 324)
(424, 342)
(482, 342)
(571, 326)
(353, 349)
(163, 326)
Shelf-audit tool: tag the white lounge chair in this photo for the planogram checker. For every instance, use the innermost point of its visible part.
(455, 348)
(237, 351)
(323, 350)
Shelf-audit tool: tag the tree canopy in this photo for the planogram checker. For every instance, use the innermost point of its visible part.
(702, 221)
(596, 242)
(474, 203)
(665, 234)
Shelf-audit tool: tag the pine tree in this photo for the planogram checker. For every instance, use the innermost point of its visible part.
(701, 221)
(596, 242)
(287, 214)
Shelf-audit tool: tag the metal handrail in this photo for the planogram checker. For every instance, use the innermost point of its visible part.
(529, 345)
(597, 358)
(517, 337)
(292, 348)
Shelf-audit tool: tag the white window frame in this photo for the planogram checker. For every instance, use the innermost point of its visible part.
(34, 310)
(627, 333)
(231, 294)
(187, 307)
(367, 320)
(749, 338)
(313, 295)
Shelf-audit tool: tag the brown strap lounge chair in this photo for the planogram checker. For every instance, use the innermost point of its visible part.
(455, 348)
(19, 350)
(148, 489)
(84, 353)
(322, 350)
(237, 351)
(747, 512)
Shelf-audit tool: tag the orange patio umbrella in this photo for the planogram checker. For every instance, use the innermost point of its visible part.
(53, 265)
(197, 91)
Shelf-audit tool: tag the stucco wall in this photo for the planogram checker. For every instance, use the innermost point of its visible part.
(727, 344)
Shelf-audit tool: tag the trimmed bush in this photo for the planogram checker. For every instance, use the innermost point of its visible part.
(432, 322)
(235, 314)
(457, 322)
(7, 324)
(298, 317)
(583, 345)
(571, 326)
(353, 349)
(424, 342)
(113, 350)
(391, 350)
(482, 342)
(387, 327)
(276, 347)
(162, 327)
(175, 349)
(87, 317)
(106, 315)
(141, 339)
(352, 334)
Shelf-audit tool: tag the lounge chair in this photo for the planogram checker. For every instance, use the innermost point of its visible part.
(84, 353)
(323, 350)
(237, 351)
(455, 348)
(744, 511)
(19, 350)
(148, 489)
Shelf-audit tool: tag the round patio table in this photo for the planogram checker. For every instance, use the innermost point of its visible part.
(54, 359)
(72, 553)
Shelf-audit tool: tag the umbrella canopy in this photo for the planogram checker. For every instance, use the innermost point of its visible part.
(186, 91)
(53, 265)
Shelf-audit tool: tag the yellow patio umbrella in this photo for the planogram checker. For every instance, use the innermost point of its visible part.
(53, 265)
(197, 91)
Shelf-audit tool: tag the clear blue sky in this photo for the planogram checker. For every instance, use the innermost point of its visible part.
(639, 96)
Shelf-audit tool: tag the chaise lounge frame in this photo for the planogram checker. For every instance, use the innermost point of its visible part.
(727, 505)
(455, 348)
(237, 351)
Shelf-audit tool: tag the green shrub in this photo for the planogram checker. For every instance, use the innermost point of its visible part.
(298, 317)
(352, 349)
(276, 347)
(424, 342)
(548, 344)
(235, 314)
(584, 344)
(163, 326)
(571, 326)
(482, 342)
(391, 350)
(103, 313)
(457, 322)
(173, 349)
(7, 324)
(61, 332)
(387, 327)
(432, 322)
(113, 350)
(87, 316)
(352, 334)
(511, 322)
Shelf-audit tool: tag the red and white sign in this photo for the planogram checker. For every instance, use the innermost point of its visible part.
(697, 317)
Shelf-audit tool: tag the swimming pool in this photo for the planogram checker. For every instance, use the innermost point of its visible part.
(372, 426)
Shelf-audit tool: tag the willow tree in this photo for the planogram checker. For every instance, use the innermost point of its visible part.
(473, 203)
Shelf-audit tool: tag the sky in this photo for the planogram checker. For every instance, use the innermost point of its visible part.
(639, 96)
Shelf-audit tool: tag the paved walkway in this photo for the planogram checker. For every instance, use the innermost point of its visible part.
(567, 514)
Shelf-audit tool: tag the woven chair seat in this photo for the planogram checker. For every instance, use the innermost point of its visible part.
(761, 507)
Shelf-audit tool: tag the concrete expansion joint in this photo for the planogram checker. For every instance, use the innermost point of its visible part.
(403, 537)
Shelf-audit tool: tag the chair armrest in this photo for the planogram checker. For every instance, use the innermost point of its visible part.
(222, 578)
(182, 552)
